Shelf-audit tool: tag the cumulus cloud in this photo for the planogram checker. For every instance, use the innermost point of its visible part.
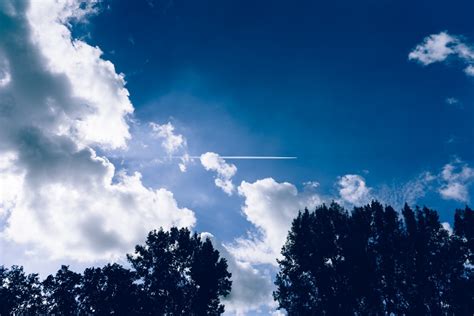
(251, 289)
(61, 102)
(213, 162)
(438, 47)
(271, 207)
(104, 101)
(456, 177)
(171, 142)
(353, 189)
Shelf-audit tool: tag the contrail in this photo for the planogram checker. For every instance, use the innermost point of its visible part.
(252, 157)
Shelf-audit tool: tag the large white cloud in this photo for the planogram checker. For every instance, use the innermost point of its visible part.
(62, 100)
(271, 207)
(438, 47)
(104, 99)
(225, 171)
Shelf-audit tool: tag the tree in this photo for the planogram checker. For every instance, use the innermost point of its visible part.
(61, 291)
(108, 290)
(463, 292)
(19, 293)
(463, 228)
(311, 280)
(179, 274)
(375, 261)
(211, 279)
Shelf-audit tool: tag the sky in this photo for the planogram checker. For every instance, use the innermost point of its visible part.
(118, 117)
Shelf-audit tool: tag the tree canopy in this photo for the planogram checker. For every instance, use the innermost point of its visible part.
(180, 274)
(173, 273)
(371, 260)
(375, 261)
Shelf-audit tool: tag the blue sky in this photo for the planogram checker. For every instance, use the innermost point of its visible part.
(375, 100)
(329, 82)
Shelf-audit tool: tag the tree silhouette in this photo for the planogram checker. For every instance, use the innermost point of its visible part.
(179, 274)
(211, 279)
(108, 290)
(311, 279)
(20, 294)
(61, 292)
(463, 249)
(174, 273)
(375, 261)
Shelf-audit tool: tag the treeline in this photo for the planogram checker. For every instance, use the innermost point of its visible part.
(372, 260)
(174, 273)
(376, 261)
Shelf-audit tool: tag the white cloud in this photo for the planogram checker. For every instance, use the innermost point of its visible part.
(454, 191)
(271, 207)
(185, 160)
(251, 289)
(446, 226)
(438, 47)
(104, 100)
(353, 189)
(451, 183)
(5, 76)
(59, 198)
(171, 142)
(456, 177)
(11, 182)
(452, 101)
(469, 70)
(225, 172)
(409, 192)
(435, 48)
(83, 223)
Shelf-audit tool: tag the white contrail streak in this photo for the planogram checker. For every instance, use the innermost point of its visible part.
(247, 157)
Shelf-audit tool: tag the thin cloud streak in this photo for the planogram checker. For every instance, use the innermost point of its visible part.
(249, 157)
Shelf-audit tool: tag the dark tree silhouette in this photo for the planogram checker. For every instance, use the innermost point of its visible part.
(174, 273)
(311, 279)
(463, 281)
(374, 261)
(464, 229)
(20, 294)
(61, 292)
(108, 291)
(179, 274)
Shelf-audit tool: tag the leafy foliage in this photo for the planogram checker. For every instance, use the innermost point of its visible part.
(180, 274)
(19, 293)
(374, 261)
(110, 290)
(174, 273)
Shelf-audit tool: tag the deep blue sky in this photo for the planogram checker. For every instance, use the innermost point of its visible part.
(327, 81)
